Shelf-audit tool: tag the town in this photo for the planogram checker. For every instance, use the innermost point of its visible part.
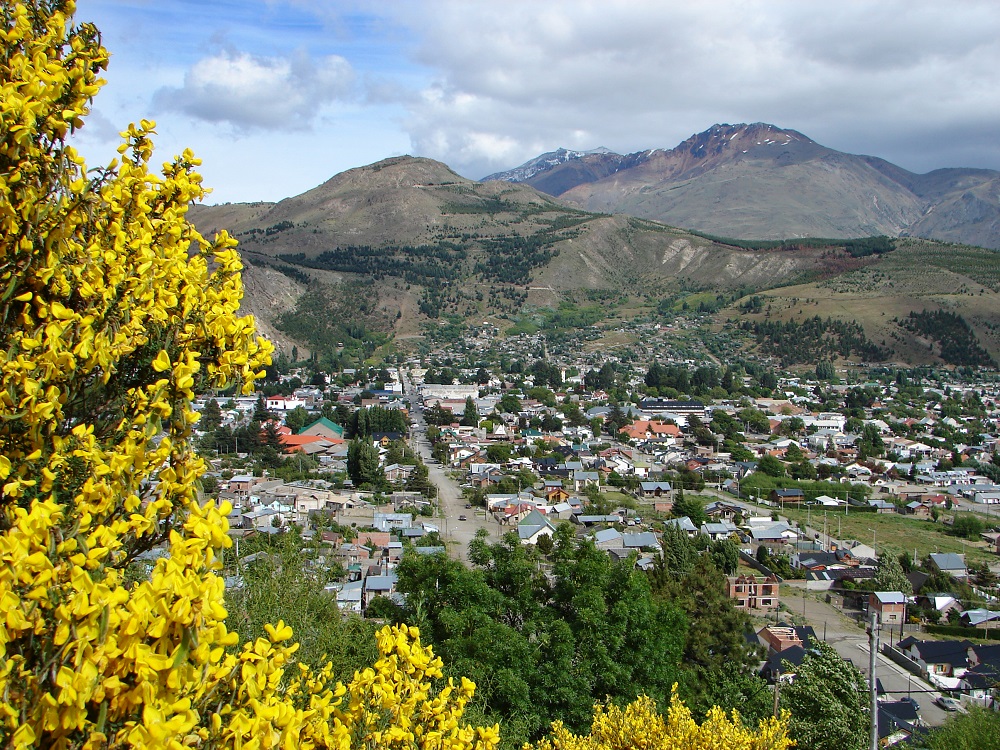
(829, 495)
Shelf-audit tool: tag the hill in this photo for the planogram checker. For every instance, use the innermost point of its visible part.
(764, 182)
(405, 247)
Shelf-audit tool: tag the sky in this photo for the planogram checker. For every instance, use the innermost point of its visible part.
(278, 96)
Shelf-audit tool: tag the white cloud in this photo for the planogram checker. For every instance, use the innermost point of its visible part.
(252, 92)
(514, 79)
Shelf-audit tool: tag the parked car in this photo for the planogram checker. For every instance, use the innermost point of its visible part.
(948, 704)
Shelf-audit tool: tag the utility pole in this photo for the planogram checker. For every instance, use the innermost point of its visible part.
(872, 658)
(777, 692)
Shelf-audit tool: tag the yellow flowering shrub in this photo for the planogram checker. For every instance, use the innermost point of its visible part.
(638, 726)
(114, 313)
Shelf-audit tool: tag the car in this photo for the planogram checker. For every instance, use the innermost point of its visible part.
(462, 517)
(948, 704)
(468, 505)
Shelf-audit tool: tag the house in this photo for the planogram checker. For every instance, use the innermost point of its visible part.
(373, 539)
(583, 479)
(607, 539)
(642, 540)
(782, 663)
(392, 521)
(556, 494)
(918, 509)
(981, 680)
(943, 603)
(324, 427)
(951, 563)
(774, 537)
(723, 511)
(754, 593)
(379, 585)
(241, 485)
(890, 605)
(719, 530)
(882, 506)
(897, 721)
(781, 636)
(937, 658)
(350, 596)
(819, 560)
(655, 489)
(789, 495)
(684, 524)
(534, 526)
(981, 618)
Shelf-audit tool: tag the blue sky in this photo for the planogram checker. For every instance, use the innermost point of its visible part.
(278, 96)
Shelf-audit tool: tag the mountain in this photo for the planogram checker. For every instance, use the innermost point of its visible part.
(406, 249)
(416, 219)
(759, 181)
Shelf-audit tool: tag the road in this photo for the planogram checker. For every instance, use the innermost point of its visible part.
(851, 642)
(451, 504)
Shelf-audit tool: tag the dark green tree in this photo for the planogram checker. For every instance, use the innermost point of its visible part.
(297, 418)
(829, 702)
(211, 416)
(978, 729)
(768, 464)
(715, 643)
(726, 555)
(363, 464)
(889, 575)
(470, 417)
(690, 506)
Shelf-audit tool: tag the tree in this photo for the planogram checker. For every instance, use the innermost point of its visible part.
(499, 453)
(470, 417)
(362, 463)
(889, 575)
(211, 416)
(689, 506)
(967, 525)
(284, 583)
(829, 702)
(771, 466)
(297, 418)
(116, 312)
(726, 555)
(615, 419)
(715, 642)
(977, 729)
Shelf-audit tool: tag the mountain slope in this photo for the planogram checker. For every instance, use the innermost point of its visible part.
(406, 248)
(437, 244)
(760, 181)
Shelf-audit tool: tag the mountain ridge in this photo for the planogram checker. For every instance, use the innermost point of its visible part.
(405, 248)
(759, 181)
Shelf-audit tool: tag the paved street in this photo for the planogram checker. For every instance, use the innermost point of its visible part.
(851, 642)
(456, 532)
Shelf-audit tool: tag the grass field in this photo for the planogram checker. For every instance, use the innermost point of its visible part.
(894, 532)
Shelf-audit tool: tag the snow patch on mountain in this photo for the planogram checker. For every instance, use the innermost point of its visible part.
(545, 162)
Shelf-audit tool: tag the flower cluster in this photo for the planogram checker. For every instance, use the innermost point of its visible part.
(114, 313)
(638, 726)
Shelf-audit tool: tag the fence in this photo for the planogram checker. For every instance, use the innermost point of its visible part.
(902, 660)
